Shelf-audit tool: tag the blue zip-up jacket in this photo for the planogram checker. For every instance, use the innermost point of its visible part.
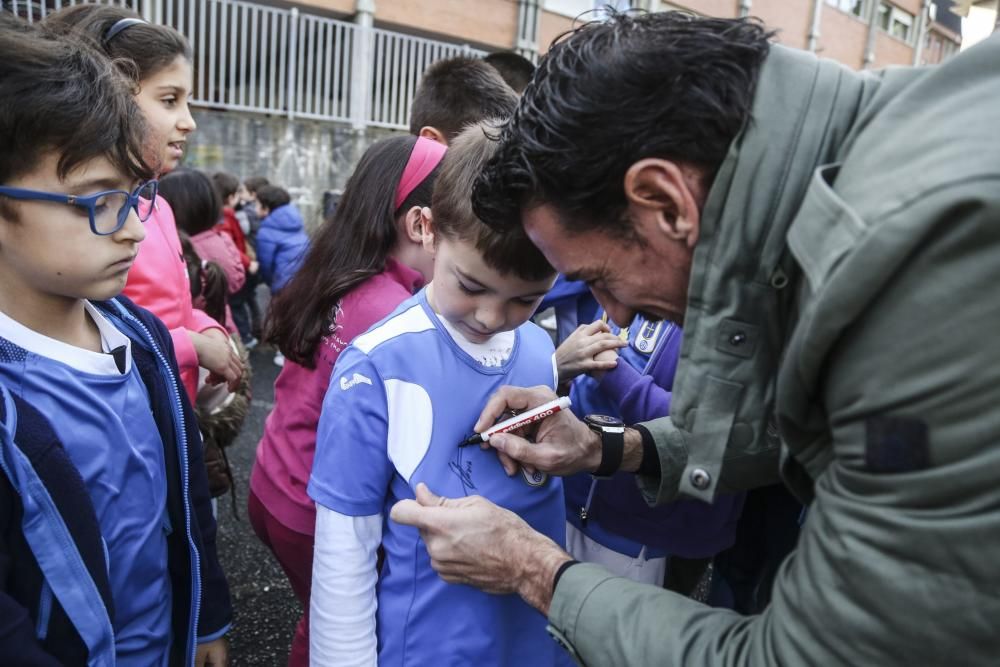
(281, 245)
(55, 599)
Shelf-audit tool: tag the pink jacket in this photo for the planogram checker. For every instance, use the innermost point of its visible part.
(213, 245)
(159, 283)
(285, 453)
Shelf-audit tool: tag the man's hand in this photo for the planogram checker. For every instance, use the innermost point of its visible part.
(562, 445)
(472, 541)
(212, 654)
(581, 351)
(217, 355)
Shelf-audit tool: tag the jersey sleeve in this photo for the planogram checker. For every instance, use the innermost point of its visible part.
(351, 471)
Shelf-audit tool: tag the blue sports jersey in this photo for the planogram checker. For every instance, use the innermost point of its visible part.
(401, 398)
(103, 418)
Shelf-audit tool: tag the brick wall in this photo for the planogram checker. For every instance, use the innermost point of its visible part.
(490, 22)
(842, 37)
(791, 17)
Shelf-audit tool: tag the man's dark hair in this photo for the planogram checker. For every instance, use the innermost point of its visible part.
(667, 85)
(272, 196)
(58, 95)
(144, 48)
(193, 199)
(457, 92)
(514, 68)
(226, 184)
(508, 251)
(255, 183)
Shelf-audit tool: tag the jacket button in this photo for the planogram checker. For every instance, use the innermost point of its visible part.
(737, 339)
(700, 479)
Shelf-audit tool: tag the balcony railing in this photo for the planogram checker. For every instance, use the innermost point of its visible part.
(262, 59)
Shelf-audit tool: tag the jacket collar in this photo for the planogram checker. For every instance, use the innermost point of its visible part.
(741, 304)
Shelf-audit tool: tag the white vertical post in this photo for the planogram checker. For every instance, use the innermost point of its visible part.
(293, 48)
(869, 58)
(745, 6)
(922, 22)
(817, 17)
(526, 40)
(361, 70)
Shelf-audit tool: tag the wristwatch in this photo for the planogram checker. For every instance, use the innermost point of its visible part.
(612, 432)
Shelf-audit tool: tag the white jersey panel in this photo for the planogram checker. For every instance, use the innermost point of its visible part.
(411, 423)
(412, 320)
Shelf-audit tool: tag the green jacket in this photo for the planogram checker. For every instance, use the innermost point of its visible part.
(845, 292)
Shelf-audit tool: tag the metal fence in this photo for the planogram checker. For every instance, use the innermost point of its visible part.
(261, 59)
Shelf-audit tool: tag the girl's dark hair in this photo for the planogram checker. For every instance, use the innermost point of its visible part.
(346, 250)
(226, 184)
(193, 198)
(209, 285)
(144, 48)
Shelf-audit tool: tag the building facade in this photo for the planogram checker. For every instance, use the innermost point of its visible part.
(296, 91)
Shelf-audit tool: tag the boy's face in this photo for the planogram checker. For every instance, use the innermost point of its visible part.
(475, 298)
(49, 252)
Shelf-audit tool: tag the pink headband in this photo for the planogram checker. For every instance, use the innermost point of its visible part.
(426, 155)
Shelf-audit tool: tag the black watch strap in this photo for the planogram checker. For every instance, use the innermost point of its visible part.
(612, 450)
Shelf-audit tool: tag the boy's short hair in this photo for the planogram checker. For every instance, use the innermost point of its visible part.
(226, 184)
(59, 95)
(255, 183)
(272, 196)
(514, 68)
(457, 92)
(510, 251)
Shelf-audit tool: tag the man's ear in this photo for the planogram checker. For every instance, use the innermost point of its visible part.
(669, 192)
(426, 229)
(432, 133)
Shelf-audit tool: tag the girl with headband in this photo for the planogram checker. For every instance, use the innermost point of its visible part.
(158, 58)
(362, 263)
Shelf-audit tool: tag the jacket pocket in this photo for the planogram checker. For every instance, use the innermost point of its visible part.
(825, 228)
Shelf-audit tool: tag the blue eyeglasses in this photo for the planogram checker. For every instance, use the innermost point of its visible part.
(107, 210)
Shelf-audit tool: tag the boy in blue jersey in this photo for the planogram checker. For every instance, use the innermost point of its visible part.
(107, 541)
(401, 398)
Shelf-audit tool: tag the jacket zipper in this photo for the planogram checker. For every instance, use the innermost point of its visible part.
(178, 414)
(44, 611)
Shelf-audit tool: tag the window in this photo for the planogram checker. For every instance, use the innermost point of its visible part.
(858, 8)
(897, 22)
(570, 8)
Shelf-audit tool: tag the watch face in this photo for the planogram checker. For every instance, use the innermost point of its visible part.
(603, 420)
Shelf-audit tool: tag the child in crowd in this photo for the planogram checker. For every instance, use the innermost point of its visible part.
(515, 69)
(197, 207)
(246, 213)
(401, 398)
(221, 413)
(159, 59)
(281, 239)
(108, 550)
(455, 93)
(362, 264)
(627, 373)
(227, 186)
